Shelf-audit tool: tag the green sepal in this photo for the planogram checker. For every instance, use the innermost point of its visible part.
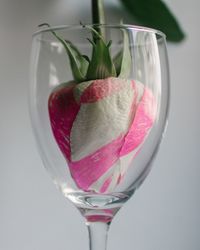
(101, 65)
(83, 60)
(123, 60)
(117, 61)
(79, 63)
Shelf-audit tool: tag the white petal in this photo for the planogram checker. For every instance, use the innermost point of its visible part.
(98, 123)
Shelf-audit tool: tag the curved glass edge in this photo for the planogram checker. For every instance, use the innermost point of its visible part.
(112, 26)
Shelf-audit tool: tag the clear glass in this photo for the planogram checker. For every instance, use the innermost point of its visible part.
(108, 152)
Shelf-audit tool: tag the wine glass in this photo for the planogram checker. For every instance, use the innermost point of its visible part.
(97, 137)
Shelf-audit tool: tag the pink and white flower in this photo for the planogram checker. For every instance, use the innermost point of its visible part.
(99, 126)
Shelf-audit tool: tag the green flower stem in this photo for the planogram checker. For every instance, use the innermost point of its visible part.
(98, 16)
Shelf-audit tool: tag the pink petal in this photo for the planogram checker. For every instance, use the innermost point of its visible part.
(143, 121)
(106, 185)
(89, 169)
(102, 88)
(62, 112)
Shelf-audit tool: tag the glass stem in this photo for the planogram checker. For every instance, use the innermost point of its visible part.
(98, 232)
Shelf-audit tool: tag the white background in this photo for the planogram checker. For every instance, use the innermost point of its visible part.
(164, 212)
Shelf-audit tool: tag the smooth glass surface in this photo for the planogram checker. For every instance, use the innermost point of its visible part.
(50, 67)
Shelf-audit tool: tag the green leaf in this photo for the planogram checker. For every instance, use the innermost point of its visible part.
(79, 64)
(155, 14)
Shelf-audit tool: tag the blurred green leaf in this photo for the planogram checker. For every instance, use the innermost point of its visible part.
(155, 14)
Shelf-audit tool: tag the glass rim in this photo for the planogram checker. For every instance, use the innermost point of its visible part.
(113, 26)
